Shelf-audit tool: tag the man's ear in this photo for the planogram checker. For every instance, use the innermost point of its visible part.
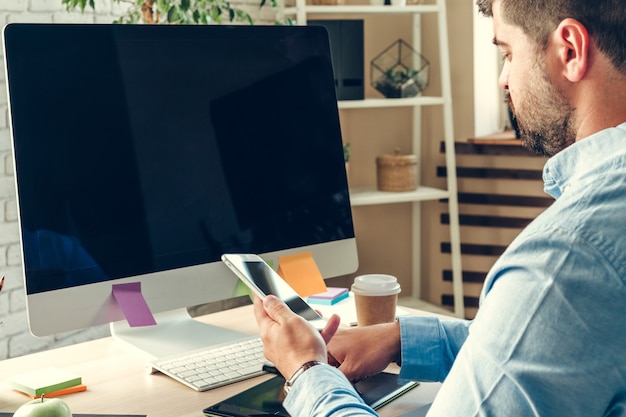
(573, 47)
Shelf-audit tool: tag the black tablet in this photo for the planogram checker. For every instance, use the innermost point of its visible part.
(266, 398)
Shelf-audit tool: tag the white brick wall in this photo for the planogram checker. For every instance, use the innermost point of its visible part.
(15, 339)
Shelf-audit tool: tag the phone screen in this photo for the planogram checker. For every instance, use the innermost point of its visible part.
(267, 281)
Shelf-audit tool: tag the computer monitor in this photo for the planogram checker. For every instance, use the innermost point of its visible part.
(142, 153)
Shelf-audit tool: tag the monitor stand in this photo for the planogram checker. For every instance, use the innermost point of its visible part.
(176, 332)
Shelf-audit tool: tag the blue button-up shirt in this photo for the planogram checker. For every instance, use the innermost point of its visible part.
(549, 338)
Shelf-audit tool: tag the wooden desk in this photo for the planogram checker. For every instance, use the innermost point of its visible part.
(117, 382)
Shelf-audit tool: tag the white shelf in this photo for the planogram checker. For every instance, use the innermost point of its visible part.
(390, 102)
(367, 9)
(371, 196)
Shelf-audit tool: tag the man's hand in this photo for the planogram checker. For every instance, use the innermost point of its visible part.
(365, 351)
(289, 340)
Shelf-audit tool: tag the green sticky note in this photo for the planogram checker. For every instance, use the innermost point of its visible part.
(242, 289)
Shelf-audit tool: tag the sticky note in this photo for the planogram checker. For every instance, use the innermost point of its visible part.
(242, 289)
(301, 272)
(332, 296)
(64, 391)
(43, 381)
(134, 306)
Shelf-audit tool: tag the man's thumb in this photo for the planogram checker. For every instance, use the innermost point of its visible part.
(276, 309)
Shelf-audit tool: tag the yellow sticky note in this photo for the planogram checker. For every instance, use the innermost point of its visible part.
(301, 272)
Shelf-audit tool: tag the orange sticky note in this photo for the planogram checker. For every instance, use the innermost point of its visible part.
(301, 272)
(65, 391)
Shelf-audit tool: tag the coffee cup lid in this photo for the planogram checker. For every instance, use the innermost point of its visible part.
(375, 285)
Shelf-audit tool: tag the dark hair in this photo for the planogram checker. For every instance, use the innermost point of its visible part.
(605, 21)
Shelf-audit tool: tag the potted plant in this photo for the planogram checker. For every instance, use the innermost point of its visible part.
(175, 11)
(346, 158)
(399, 71)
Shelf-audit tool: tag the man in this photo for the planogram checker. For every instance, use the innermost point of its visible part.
(549, 338)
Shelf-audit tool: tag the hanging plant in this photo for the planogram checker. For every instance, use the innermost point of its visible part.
(204, 12)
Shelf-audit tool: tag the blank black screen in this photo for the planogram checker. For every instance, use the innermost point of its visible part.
(143, 148)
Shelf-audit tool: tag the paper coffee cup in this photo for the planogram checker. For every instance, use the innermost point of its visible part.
(375, 297)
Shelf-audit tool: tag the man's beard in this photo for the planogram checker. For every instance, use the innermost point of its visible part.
(545, 118)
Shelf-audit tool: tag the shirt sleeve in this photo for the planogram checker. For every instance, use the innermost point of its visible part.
(429, 346)
(536, 346)
(324, 391)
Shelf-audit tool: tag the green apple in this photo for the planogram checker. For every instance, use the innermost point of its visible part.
(44, 407)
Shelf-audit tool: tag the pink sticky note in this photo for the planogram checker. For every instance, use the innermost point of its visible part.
(134, 306)
(330, 294)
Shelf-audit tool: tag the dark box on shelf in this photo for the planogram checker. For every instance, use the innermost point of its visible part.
(346, 49)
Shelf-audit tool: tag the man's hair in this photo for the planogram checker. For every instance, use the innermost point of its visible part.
(605, 21)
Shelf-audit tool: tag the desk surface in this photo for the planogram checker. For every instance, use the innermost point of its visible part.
(117, 382)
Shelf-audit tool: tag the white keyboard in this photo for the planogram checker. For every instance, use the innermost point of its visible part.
(215, 366)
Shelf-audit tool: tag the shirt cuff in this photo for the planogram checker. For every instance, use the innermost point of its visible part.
(323, 389)
(429, 346)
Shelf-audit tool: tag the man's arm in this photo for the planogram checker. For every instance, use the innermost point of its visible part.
(430, 346)
(548, 338)
(324, 391)
(289, 341)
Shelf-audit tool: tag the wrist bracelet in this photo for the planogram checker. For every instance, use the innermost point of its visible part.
(289, 383)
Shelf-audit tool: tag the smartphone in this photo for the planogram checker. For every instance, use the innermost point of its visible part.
(263, 280)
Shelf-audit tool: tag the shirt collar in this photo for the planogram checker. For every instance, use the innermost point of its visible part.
(581, 157)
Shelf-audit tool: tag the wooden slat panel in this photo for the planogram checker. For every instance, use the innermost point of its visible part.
(473, 249)
(501, 186)
(494, 173)
(487, 221)
(504, 200)
(448, 300)
(464, 148)
(468, 276)
(501, 210)
(500, 192)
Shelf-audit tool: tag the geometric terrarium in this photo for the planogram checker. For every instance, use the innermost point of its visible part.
(400, 71)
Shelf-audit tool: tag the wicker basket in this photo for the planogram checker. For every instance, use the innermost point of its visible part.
(396, 172)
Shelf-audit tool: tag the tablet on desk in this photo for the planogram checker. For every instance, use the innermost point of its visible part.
(266, 398)
(88, 415)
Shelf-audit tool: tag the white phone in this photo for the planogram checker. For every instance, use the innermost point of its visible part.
(263, 280)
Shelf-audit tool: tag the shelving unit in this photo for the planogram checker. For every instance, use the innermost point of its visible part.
(371, 196)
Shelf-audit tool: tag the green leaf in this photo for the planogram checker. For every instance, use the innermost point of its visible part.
(173, 14)
(81, 4)
(197, 17)
(180, 11)
(163, 6)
